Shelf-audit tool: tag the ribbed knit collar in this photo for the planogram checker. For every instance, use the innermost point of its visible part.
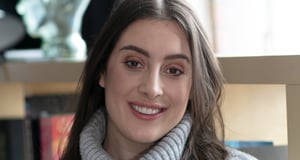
(169, 147)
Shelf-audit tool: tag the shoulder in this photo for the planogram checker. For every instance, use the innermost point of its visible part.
(234, 154)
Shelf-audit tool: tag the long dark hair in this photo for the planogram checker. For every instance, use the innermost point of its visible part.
(207, 84)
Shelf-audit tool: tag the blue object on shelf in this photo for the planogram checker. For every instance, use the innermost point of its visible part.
(247, 144)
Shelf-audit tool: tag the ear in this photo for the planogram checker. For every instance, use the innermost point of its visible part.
(102, 80)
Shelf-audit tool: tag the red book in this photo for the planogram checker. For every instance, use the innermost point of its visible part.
(54, 131)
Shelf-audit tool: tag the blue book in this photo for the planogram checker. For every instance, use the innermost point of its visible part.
(247, 144)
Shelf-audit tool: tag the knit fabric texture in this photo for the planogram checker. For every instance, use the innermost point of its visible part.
(169, 147)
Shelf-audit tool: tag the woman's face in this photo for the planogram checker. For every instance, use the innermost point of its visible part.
(147, 82)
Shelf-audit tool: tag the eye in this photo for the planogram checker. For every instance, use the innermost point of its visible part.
(133, 64)
(174, 71)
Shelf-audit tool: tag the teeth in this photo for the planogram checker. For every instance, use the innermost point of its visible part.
(145, 110)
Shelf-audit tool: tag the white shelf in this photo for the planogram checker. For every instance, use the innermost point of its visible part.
(262, 70)
(49, 71)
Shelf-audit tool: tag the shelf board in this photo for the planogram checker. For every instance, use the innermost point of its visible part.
(51, 88)
(12, 102)
(262, 69)
(50, 71)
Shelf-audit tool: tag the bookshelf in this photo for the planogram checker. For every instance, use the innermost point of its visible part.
(20, 79)
(32, 78)
(267, 70)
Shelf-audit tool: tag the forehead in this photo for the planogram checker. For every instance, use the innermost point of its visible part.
(155, 35)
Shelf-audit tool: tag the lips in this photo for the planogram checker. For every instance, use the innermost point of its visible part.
(146, 111)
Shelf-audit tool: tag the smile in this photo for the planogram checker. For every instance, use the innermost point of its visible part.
(146, 110)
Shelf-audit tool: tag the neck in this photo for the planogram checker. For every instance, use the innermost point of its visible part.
(92, 142)
(120, 147)
(121, 151)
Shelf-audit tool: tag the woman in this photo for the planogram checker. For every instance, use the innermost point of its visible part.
(151, 89)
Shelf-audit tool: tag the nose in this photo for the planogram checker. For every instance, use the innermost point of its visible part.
(151, 85)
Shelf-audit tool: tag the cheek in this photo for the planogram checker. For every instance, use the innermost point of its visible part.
(118, 81)
(112, 82)
(180, 92)
(115, 91)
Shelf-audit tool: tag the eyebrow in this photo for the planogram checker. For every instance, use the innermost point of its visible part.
(146, 53)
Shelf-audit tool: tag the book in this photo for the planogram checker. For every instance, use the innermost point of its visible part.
(247, 144)
(3, 141)
(54, 131)
(12, 146)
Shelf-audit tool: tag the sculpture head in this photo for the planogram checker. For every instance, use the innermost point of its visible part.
(57, 23)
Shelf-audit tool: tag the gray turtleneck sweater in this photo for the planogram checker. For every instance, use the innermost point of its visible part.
(169, 147)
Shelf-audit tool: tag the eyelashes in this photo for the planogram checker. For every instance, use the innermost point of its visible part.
(134, 64)
(174, 71)
(137, 65)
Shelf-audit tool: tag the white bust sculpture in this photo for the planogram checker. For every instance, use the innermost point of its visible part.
(58, 24)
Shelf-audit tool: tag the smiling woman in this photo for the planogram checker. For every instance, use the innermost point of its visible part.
(156, 93)
(151, 89)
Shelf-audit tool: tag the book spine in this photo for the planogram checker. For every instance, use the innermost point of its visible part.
(46, 138)
(54, 133)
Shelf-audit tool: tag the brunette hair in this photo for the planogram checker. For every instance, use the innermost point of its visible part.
(207, 79)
